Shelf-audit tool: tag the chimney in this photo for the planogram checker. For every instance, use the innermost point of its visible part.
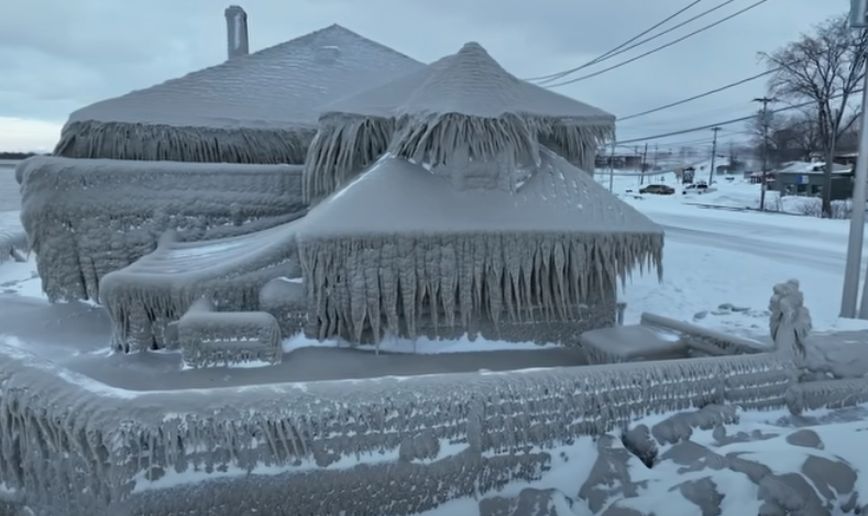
(236, 31)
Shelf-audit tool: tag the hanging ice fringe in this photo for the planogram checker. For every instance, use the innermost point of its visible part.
(129, 141)
(346, 144)
(397, 283)
(465, 103)
(343, 147)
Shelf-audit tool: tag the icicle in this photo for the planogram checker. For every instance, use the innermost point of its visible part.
(136, 141)
(417, 280)
(343, 146)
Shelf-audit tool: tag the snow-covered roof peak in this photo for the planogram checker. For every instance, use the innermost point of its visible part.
(469, 82)
(280, 86)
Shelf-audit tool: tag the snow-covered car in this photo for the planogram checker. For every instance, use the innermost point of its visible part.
(699, 188)
(657, 189)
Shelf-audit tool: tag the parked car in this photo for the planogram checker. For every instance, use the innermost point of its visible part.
(699, 188)
(657, 189)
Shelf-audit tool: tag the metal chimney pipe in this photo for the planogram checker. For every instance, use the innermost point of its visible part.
(236, 31)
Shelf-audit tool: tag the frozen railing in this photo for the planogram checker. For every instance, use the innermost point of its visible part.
(704, 340)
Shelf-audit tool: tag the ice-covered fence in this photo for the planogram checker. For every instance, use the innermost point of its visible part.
(322, 447)
(86, 218)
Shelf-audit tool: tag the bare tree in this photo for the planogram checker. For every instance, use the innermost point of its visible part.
(826, 68)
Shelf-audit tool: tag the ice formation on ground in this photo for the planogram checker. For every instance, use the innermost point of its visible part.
(259, 108)
(464, 103)
(117, 443)
(86, 218)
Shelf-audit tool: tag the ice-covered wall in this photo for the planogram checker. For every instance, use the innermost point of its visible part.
(86, 218)
(387, 445)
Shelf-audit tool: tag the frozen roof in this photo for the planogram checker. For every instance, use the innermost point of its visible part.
(464, 105)
(278, 87)
(403, 242)
(471, 83)
(397, 197)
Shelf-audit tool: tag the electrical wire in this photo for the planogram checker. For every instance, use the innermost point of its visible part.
(701, 95)
(729, 122)
(661, 47)
(606, 55)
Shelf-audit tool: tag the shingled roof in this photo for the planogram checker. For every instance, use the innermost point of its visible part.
(257, 108)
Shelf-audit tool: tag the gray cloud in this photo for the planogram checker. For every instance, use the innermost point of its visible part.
(59, 55)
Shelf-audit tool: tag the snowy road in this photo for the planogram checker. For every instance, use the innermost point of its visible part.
(714, 257)
(803, 255)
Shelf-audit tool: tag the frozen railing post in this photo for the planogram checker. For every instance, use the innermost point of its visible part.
(236, 32)
(790, 321)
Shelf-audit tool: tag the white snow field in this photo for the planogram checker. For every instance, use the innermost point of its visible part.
(719, 269)
(721, 259)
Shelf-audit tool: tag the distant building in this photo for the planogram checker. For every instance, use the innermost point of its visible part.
(807, 179)
(619, 161)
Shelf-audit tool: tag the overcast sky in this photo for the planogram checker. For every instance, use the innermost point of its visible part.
(59, 55)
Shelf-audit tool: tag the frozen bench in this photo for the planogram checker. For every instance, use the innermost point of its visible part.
(213, 339)
(661, 338)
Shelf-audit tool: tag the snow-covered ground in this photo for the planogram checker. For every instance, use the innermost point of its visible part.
(715, 256)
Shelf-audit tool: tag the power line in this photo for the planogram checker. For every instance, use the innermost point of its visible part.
(611, 52)
(728, 122)
(697, 97)
(661, 47)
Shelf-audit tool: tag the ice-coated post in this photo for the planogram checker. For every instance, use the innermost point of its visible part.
(857, 223)
(236, 31)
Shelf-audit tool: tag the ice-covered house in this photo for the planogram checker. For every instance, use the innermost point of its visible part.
(469, 221)
(472, 220)
(254, 113)
(256, 108)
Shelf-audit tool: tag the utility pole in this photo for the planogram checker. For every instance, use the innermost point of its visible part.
(857, 225)
(713, 155)
(858, 20)
(612, 166)
(644, 165)
(765, 124)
